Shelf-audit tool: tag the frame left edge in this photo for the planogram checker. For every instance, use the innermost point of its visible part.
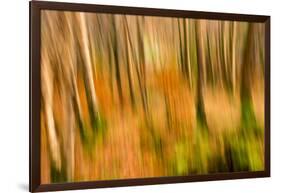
(34, 97)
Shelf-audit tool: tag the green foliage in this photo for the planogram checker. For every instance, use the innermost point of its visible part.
(239, 154)
(180, 161)
(254, 150)
(246, 153)
(93, 135)
(58, 175)
(248, 116)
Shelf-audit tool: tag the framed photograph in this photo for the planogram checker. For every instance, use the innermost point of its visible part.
(123, 96)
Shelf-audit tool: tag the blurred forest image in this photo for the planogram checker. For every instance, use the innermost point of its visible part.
(127, 96)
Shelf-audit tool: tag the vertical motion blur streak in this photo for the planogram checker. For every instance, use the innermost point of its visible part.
(128, 96)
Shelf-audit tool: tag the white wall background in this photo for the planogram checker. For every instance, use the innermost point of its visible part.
(14, 95)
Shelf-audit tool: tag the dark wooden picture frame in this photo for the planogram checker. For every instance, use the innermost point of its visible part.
(35, 94)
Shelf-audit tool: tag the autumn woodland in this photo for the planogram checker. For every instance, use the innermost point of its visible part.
(126, 96)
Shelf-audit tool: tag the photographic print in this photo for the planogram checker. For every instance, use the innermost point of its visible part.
(127, 96)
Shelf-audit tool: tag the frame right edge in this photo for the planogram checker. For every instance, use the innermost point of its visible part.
(267, 96)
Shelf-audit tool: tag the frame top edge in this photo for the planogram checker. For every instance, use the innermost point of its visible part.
(146, 11)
